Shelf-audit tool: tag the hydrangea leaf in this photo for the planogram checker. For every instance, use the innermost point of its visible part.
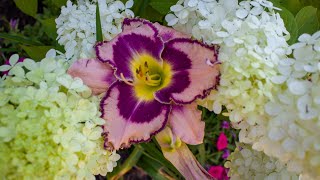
(49, 26)
(144, 10)
(307, 20)
(289, 22)
(292, 5)
(36, 52)
(59, 3)
(27, 6)
(161, 6)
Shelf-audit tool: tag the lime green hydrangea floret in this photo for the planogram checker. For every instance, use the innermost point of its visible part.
(50, 125)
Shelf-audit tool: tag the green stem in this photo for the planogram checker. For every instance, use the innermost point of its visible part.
(127, 165)
(202, 153)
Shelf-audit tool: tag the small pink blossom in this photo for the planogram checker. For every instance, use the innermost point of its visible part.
(218, 172)
(222, 142)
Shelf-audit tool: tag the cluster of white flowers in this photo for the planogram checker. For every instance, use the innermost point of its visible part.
(252, 41)
(77, 25)
(293, 127)
(274, 100)
(50, 125)
(245, 163)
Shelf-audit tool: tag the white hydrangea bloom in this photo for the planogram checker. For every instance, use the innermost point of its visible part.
(293, 126)
(77, 25)
(50, 125)
(246, 163)
(252, 40)
(273, 99)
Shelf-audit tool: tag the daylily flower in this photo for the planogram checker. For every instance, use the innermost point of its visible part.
(151, 75)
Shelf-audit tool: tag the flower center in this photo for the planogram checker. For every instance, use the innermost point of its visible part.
(149, 76)
(143, 73)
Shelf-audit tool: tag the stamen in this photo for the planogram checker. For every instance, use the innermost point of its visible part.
(125, 80)
(145, 64)
(153, 80)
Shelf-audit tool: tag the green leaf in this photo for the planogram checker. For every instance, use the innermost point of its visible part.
(292, 5)
(152, 151)
(153, 168)
(20, 39)
(161, 6)
(49, 26)
(98, 24)
(29, 7)
(59, 3)
(36, 52)
(290, 24)
(144, 10)
(307, 20)
(314, 3)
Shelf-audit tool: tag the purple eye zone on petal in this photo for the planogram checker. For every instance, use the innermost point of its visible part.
(139, 111)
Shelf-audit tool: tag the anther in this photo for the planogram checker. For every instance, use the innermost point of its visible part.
(125, 80)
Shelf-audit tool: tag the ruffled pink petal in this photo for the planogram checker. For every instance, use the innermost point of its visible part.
(128, 119)
(164, 32)
(195, 67)
(185, 122)
(96, 75)
(168, 34)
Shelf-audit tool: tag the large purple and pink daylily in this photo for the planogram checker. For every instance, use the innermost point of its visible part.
(151, 75)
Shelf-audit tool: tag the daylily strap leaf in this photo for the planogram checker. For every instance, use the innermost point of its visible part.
(180, 156)
(185, 122)
(95, 74)
(128, 45)
(195, 70)
(128, 119)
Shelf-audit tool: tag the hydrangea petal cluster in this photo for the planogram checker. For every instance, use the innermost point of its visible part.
(293, 126)
(50, 126)
(252, 38)
(77, 25)
(246, 163)
(271, 98)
